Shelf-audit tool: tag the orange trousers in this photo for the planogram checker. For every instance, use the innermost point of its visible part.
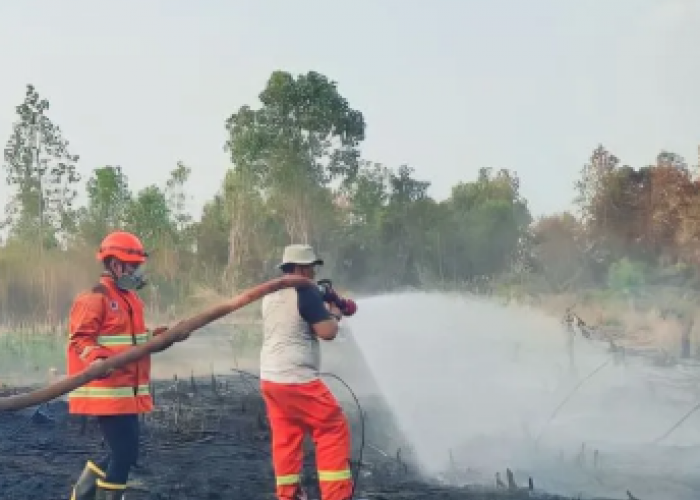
(295, 410)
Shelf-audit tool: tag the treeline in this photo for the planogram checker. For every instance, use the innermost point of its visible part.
(297, 176)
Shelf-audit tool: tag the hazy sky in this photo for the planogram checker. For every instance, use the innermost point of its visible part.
(447, 86)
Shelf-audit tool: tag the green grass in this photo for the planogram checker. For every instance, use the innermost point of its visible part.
(27, 358)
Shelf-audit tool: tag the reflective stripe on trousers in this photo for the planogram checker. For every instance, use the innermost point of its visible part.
(295, 410)
(334, 475)
(288, 480)
(323, 475)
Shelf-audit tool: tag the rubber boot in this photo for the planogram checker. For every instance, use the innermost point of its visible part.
(109, 491)
(86, 486)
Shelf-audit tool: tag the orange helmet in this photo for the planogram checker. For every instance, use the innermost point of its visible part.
(123, 246)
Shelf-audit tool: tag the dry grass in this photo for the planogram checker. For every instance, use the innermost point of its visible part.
(642, 324)
(37, 286)
(201, 298)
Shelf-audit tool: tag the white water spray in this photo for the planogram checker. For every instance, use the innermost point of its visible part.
(478, 382)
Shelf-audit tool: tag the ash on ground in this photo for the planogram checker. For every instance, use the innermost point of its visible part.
(209, 439)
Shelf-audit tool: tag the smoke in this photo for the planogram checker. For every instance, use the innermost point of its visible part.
(473, 384)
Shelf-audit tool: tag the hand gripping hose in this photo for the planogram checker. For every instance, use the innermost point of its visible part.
(163, 341)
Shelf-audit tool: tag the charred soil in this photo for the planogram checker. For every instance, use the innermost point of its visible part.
(207, 440)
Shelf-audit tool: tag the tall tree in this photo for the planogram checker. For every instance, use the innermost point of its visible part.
(367, 193)
(361, 203)
(176, 193)
(559, 251)
(636, 212)
(250, 236)
(404, 225)
(212, 234)
(670, 159)
(41, 171)
(109, 198)
(148, 215)
(488, 219)
(591, 185)
(303, 137)
(606, 201)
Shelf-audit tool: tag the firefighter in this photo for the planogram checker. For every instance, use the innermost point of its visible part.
(103, 322)
(297, 401)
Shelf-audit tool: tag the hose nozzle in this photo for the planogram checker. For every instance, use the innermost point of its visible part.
(347, 307)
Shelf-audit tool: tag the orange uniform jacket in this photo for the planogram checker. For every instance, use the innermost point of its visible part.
(104, 322)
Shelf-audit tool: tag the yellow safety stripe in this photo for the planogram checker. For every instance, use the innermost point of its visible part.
(288, 479)
(334, 475)
(94, 468)
(110, 486)
(110, 392)
(122, 340)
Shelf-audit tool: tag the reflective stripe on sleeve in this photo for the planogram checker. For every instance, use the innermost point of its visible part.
(109, 392)
(122, 340)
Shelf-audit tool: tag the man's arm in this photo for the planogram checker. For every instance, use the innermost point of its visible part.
(313, 310)
(85, 322)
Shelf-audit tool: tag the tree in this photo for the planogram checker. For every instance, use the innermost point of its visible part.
(627, 276)
(212, 233)
(405, 228)
(109, 198)
(591, 185)
(360, 205)
(176, 189)
(41, 170)
(251, 235)
(148, 216)
(303, 137)
(488, 218)
(610, 204)
(687, 233)
(177, 199)
(641, 213)
(669, 159)
(367, 193)
(559, 252)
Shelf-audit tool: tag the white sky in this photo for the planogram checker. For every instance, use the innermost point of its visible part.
(447, 86)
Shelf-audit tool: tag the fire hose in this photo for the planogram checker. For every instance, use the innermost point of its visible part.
(569, 395)
(177, 333)
(572, 318)
(677, 424)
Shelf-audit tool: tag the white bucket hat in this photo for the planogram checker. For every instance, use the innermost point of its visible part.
(303, 255)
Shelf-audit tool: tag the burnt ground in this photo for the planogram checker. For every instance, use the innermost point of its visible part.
(207, 440)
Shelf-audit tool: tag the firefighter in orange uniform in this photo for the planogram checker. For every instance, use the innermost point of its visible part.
(103, 322)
